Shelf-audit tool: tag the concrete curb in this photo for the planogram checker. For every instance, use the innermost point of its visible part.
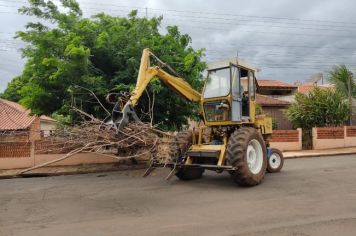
(311, 155)
(98, 168)
(51, 171)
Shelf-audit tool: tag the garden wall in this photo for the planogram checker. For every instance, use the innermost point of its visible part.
(334, 137)
(287, 140)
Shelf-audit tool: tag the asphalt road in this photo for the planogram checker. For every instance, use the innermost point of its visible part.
(309, 197)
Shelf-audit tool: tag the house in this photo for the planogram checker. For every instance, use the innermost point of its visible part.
(275, 97)
(307, 88)
(276, 109)
(47, 125)
(18, 120)
(275, 88)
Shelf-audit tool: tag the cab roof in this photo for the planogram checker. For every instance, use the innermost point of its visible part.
(226, 62)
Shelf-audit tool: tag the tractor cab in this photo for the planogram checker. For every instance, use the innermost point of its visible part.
(229, 93)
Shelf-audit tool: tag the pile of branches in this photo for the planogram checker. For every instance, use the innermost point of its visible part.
(135, 140)
(96, 136)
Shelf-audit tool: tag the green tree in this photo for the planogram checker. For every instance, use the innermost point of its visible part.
(321, 107)
(101, 53)
(12, 91)
(341, 77)
(343, 80)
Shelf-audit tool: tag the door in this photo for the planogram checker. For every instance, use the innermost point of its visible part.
(236, 94)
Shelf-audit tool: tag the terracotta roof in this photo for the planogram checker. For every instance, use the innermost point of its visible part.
(15, 105)
(274, 83)
(21, 108)
(47, 118)
(15, 116)
(308, 88)
(12, 118)
(305, 88)
(269, 101)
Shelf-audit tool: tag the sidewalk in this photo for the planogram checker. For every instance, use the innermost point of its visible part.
(319, 153)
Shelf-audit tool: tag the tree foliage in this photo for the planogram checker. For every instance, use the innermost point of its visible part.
(340, 76)
(101, 53)
(321, 107)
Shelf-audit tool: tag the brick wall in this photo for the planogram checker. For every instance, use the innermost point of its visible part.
(15, 149)
(286, 140)
(333, 137)
(35, 130)
(350, 131)
(330, 133)
(285, 136)
(45, 146)
(15, 144)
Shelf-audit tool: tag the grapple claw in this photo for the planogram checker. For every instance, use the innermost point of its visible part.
(123, 117)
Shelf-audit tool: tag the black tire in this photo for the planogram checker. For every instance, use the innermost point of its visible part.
(183, 141)
(236, 156)
(178, 150)
(279, 160)
(189, 173)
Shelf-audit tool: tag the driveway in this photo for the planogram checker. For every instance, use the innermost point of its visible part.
(315, 196)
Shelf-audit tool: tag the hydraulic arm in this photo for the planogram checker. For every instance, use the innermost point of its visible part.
(145, 75)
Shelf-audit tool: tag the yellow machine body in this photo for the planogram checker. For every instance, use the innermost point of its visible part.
(220, 122)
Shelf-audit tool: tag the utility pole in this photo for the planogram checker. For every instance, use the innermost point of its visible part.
(146, 12)
(350, 97)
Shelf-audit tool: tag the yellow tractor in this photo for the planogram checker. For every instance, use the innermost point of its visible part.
(233, 138)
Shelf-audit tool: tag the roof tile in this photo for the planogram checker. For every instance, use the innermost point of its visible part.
(13, 117)
(269, 101)
(274, 83)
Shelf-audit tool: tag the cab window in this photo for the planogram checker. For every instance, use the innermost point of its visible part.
(218, 83)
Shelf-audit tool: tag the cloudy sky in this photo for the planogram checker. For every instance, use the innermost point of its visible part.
(288, 40)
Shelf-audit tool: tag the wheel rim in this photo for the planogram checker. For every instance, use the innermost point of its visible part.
(254, 156)
(274, 160)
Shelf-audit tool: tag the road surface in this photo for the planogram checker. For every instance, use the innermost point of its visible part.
(309, 197)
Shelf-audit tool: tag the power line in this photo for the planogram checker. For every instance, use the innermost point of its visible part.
(236, 15)
(254, 16)
(265, 32)
(198, 14)
(279, 51)
(271, 65)
(280, 46)
(273, 33)
(276, 33)
(258, 25)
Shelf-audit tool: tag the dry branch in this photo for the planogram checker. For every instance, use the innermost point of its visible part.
(96, 136)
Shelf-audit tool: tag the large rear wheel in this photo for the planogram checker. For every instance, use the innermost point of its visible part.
(178, 150)
(246, 150)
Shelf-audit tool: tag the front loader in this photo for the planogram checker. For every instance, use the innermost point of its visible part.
(233, 138)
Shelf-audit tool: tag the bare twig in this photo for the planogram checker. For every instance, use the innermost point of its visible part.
(97, 99)
(97, 137)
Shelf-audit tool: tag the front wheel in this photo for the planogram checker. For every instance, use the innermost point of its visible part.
(189, 173)
(178, 150)
(275, 161)
(246, 150)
